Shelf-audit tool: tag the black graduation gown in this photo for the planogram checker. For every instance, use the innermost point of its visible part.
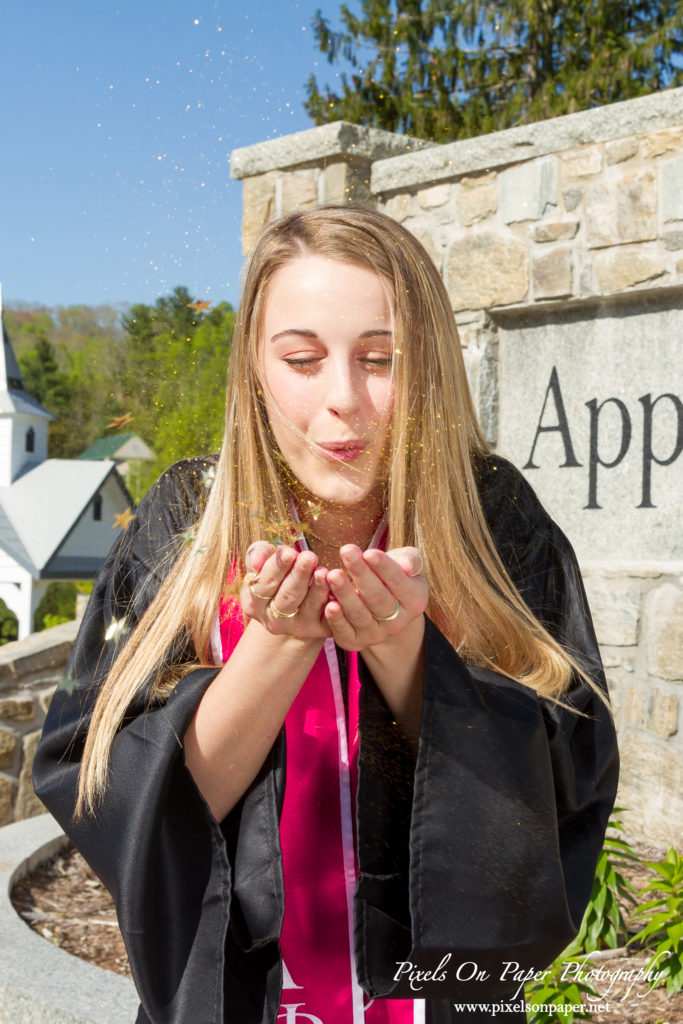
(484, 849)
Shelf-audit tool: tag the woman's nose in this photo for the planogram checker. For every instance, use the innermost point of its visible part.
(342, 390)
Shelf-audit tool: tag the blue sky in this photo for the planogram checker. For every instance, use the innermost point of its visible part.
(118, 119)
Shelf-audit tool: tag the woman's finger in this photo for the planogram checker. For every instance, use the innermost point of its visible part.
(274, 570)
(410, 592)
(410, 560)
(356, 612)
(257, 555)
(293, 590)
(370, 587)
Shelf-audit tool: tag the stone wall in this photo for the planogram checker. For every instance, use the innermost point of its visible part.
(30, 670)
(561, 247)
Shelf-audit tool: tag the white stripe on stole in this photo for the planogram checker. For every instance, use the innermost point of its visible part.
(215, 641)
(346, 823)
(419, 1011)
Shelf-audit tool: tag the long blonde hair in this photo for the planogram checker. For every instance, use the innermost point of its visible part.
(432, 498)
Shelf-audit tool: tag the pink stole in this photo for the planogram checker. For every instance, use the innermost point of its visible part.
(318, 850)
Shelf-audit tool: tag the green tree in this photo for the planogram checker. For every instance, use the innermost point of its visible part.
(177, 367)
(449, 69)
(73, 361)
(163, 366)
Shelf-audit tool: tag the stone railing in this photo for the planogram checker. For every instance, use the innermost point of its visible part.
(561, 247)
(30, 670)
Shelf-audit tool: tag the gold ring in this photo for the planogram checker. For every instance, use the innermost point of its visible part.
(388, 618)
(250, 579)
(277, 614)
(422, 565)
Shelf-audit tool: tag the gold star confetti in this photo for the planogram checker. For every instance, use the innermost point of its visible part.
(315, 509)
(123, 519)
(68, 682)
(119, 421)
(200, 306)
(116, 628)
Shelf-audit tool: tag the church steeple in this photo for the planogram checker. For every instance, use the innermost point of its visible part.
(23, 421)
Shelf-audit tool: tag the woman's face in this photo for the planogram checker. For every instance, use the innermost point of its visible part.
(325, 355)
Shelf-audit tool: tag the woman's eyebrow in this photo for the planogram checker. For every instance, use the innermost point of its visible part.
(303, 332)
(294, 330)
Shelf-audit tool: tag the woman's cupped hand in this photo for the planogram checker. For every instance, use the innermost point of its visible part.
(372, 599)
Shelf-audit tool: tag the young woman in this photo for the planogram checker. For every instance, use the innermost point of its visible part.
(334, 731)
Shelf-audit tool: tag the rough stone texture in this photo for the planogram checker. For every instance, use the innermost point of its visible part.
(636, 706)
(618, 120)
(615, 607)
(8, 746)
(604, 349)
(336, 182)
(481, 364)
(673, 240)
(29, 672)
(571, 198)
(679, 267)
(45, 699)
(672, 190)
(580, 163)
(651, 788)
(621, 150)
(344, 182)
(617, 659)
(655, 711)
(623, 211)
(617, 270)
(430, 198)
(664, 716)
(28, 803)
(529, 190)
(426, 238)
(258, 198)
(475, 204)
(554, 232)
(299, 190)
(664, 141)
(6, 800)
(19, 709)
(47, 650)
(664, 631)
(399, 207)
(318, 144)
(552, 274)
(484, 270)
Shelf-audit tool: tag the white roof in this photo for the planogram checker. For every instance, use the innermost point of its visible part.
(39, 509)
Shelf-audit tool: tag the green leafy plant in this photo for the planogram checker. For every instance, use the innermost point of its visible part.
(603, 923)
(560, 992)
(663, 933)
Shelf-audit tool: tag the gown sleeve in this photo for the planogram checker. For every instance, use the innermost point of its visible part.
(483, 851)
(153, 841)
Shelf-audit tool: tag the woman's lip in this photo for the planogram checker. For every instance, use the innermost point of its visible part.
(342, 451)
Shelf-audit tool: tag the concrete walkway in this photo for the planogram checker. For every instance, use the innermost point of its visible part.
(39, 982)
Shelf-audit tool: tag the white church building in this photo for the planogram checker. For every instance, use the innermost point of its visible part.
(57, 516)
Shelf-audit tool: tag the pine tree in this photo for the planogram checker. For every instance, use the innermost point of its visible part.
(449, 69)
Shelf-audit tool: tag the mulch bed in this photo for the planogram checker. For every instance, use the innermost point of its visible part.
(65, 903)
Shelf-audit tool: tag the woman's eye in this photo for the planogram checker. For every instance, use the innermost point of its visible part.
(302, 362)
(377, 361)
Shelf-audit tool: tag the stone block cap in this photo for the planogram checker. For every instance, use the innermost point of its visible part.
(513, 145)
(340, 138)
